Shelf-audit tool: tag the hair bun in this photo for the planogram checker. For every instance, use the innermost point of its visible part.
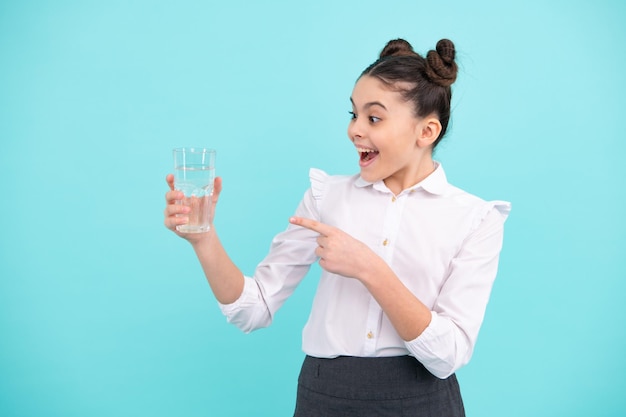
(441, 68)
(397, 47)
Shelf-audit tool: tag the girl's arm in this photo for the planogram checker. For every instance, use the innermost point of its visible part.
(225, 279)
(341, 254)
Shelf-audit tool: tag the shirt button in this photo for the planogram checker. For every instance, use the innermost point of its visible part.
(393, 199)
(385, 242)
(370, 335)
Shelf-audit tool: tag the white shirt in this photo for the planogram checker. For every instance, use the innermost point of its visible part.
(440, 241)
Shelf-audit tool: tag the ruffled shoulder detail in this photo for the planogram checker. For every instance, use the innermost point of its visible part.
(319, 182)
(503, 207)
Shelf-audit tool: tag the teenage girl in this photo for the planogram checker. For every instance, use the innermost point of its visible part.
(408, 260)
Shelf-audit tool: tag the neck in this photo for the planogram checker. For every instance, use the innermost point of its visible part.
(411, 176)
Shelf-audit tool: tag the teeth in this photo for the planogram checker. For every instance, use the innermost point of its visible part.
(363, 150)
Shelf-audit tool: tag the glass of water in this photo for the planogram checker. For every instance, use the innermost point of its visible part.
(194, 172)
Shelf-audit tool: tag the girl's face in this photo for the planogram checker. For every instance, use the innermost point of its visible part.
(393, 144)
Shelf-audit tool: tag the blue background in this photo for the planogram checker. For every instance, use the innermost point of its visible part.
(104, 312)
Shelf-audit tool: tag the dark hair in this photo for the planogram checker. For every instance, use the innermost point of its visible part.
(423, 81)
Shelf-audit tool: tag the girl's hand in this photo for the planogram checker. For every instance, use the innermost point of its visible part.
(177, 214)
(339, 252)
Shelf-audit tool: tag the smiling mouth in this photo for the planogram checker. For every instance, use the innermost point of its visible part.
(367, 154)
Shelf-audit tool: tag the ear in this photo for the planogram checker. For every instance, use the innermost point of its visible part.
(428, 131)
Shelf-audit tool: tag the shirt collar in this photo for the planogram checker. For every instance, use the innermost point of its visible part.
(436, 183)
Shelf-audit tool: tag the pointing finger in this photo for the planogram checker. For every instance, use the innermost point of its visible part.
(311, 224)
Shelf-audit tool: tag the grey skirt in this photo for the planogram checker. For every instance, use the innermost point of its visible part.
(363, 387)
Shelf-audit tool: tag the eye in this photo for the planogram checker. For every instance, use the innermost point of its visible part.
(374, 119)
(352, 115)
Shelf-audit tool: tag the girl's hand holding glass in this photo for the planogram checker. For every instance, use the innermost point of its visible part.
(177, 214)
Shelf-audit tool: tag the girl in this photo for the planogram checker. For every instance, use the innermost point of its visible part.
(408, 260)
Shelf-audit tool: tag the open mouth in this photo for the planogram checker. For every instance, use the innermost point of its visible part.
(367, 154)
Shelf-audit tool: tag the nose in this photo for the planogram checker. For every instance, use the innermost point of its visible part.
(355, 130)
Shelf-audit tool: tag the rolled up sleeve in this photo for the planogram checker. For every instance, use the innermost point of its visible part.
(448, 342)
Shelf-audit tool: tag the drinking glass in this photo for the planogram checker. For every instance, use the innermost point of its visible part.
(194, 172)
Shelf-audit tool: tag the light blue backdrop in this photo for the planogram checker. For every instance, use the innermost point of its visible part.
(103, 312)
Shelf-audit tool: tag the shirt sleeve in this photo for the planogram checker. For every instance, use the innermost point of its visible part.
(448, 342)
(289, 259)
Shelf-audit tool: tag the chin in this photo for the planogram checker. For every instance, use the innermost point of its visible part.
(369, 177)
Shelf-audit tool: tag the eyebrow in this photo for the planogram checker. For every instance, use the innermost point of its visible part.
(370, 104)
